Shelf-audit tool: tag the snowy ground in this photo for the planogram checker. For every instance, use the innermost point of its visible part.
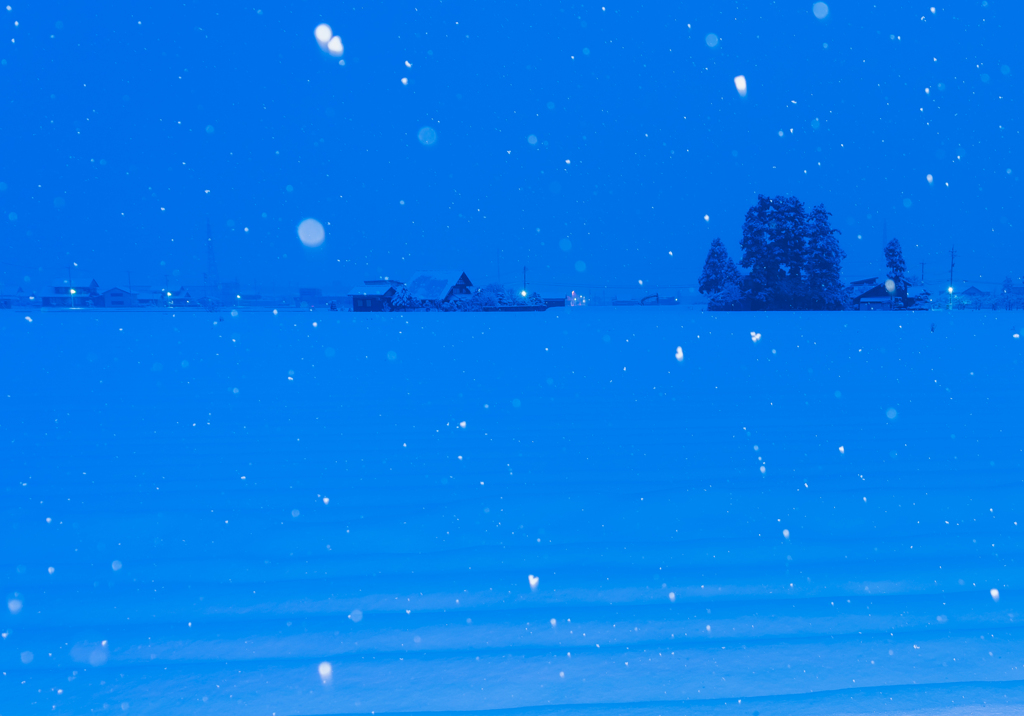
(627, 481)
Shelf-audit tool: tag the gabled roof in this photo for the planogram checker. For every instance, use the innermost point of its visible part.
(865, 282)
(118, 288)
(377, 290)
(435, 285)
(973, 291)
(880, 291)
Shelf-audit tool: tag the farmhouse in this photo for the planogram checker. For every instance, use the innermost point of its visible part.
(880, 298)
(373, 295)
(436, 287)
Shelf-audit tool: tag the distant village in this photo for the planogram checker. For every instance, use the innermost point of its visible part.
(449, 290)
(453, 291)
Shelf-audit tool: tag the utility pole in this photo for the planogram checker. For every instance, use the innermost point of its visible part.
(524, 280)
(71, 287)
(922, 273)
(129, 301)
(952, 263)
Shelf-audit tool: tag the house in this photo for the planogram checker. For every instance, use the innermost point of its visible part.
(880, 298)
(150, 298)
(972, 292)
(436, 287)
(313, 298)
(179, 297)
(118, 297)
(373, 295)
(65, 294)
(25, 298)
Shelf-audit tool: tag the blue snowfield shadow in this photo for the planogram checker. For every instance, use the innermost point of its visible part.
(465, 512)
(924, 698)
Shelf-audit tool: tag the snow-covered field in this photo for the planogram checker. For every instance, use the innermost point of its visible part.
(808, 523)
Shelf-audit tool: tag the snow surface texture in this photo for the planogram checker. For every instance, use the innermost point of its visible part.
(373, 532)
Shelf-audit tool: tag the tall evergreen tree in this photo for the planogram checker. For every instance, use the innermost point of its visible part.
(896, 268)
(825, 291)
(790, 228)
(774, 249)
(719, 270)
(760, 285)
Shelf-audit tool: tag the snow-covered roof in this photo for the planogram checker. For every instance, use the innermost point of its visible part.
(435, 285)
(881, 292)
(377, 290)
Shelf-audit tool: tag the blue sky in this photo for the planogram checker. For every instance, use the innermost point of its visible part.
(127, 128)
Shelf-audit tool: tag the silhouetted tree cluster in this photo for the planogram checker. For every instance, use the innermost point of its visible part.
(793, 260)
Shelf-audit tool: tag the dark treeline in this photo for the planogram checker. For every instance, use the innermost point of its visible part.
(792, 257)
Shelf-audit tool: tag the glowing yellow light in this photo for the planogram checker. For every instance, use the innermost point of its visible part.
(168, 293)
(523, 292)
(73, 291)
(951, 289)
(741, 85)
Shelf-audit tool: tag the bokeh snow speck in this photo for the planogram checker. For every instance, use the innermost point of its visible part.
(356, 615)
(323, 35)
(327, 40)
(711, 39)
(325, 670)
(427, 136)
(311, 233)
(820, 10)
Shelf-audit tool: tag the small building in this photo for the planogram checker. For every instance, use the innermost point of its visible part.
(880, 298)
(180, 297)
(436, 287)
(373, 295)
(118, 297)
(315, 298)
(973, 292)
(150, 298)
(65, 294)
